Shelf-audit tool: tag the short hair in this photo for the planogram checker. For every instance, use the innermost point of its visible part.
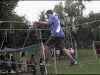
(49, 12)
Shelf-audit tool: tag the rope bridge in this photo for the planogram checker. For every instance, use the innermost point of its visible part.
(32, 46)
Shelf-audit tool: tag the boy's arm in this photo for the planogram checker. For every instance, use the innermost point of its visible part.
(42, 22)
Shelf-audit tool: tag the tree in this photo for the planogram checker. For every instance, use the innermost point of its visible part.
(15, 38)
(74, 9)
(89, 26)
(42, 16)
(6, 8)
(59, 9)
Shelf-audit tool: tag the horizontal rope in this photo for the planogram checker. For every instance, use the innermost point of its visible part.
(69, 26)
(16, 50)
(24, 29)
(85, 23)
(10, 62)
(88, 22)
(10, 22)
(15, 72)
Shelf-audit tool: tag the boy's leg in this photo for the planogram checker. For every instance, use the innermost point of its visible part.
(61, 45)
(45, 53)
(69, 54)
(73, 60)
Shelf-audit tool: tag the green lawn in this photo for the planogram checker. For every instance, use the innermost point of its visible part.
(88, 64)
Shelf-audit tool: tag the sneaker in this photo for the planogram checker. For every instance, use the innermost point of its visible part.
(73, 63)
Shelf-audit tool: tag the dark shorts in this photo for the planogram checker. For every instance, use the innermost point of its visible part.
(56, 42)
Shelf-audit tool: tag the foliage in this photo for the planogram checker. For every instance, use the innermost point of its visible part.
(59, 9)
(89, 26)
(6, 8)
(14, 38)
(42, 16)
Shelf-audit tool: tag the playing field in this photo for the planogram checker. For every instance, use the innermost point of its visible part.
(88, 64)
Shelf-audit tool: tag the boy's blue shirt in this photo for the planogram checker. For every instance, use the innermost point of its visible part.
(56, 29)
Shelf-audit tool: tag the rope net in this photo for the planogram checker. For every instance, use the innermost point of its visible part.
(34, 48)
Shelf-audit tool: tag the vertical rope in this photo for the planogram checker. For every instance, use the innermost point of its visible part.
(93, 45)
(44, 57)
(2, 42)
(55, 61)
(76, 51)
(26, 37)
(71, 37)
(43, 51)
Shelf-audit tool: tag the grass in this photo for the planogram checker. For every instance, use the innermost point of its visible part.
(83, 68)
(88, 64)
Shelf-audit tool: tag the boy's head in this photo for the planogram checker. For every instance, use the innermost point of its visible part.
(49, 12)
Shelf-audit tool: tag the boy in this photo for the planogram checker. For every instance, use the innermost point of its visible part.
(57, 34)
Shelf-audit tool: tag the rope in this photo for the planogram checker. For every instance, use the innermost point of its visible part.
(43, 51)
(48, 40)
(71, 38)
(5, 39)
(55, 61)
(44, 57)
(23, 43)
(69, 26)
(76, 52)
(23, 29)
(26, 37)
(10, 22)
(86, 23)
(94, 50)
(2, 43)
(14, 50)
(41, 42)
(72, 47)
